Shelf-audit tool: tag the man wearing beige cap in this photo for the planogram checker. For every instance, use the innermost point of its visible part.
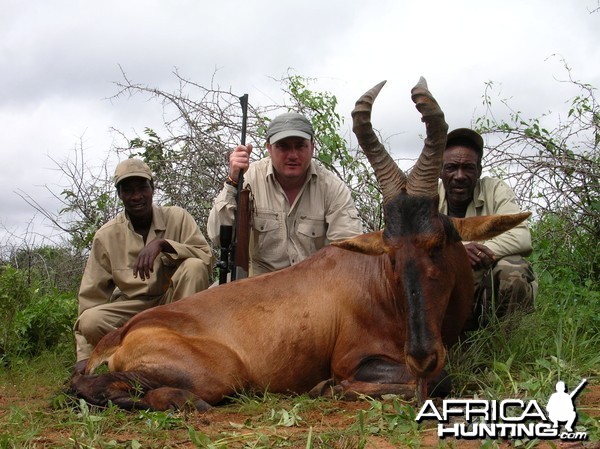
(298, 206)
(146, 256)
(504, 279)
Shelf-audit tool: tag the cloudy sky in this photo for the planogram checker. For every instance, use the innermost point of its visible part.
(60, 60)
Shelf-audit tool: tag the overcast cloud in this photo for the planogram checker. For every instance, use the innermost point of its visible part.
(60, 60)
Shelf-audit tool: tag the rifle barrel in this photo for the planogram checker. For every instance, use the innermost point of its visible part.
(244, 103)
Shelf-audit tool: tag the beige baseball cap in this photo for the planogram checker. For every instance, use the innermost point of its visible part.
(290, 124)
(130, 168)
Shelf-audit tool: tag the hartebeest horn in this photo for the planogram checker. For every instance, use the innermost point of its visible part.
(423, 178)
(389, 176)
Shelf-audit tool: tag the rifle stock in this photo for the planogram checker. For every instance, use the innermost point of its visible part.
(226, 234)
(242, 253)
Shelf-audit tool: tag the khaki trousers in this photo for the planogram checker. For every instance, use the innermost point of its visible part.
(190, 277)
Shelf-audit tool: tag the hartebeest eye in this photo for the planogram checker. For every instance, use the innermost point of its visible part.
(432, 243)
(433, 272)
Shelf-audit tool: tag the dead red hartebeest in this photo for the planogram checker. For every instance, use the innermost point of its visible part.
(368, 315)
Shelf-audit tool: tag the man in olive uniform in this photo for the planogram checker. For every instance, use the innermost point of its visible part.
(147, 255)
(504, 279)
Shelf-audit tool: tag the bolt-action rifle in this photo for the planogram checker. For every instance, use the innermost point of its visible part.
(235, 240)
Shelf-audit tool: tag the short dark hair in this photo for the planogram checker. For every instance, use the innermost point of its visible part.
(465, 142)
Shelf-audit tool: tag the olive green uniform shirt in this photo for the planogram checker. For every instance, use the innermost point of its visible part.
(284, 234)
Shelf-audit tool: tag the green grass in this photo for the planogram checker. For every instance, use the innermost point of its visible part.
(526, 355)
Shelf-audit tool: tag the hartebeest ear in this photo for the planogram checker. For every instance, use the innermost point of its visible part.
(371, 244)
(487, 226)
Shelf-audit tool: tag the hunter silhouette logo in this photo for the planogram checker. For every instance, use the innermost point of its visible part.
(560, 406)
(508, 418)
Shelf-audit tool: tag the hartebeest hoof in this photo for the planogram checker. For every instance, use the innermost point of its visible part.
(167, 398)
(326, 388)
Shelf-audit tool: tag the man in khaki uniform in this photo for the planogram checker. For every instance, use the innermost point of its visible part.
(298, 207)
(504, 280)
(146, 256)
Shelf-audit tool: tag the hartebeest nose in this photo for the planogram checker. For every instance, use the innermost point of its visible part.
(422, 363)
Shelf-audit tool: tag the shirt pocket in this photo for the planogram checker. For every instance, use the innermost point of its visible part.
(268, 240)
(266, 223)
(311, 233)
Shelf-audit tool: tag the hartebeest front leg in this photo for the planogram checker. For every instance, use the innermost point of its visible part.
(353, 390)
(167, 398)
(376, 377)
(132, 391)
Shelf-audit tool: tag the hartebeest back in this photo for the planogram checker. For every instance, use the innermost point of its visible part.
(368, 315)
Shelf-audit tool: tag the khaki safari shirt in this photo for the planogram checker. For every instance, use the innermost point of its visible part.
(115, 249)
(284, 234)
(494, 197)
